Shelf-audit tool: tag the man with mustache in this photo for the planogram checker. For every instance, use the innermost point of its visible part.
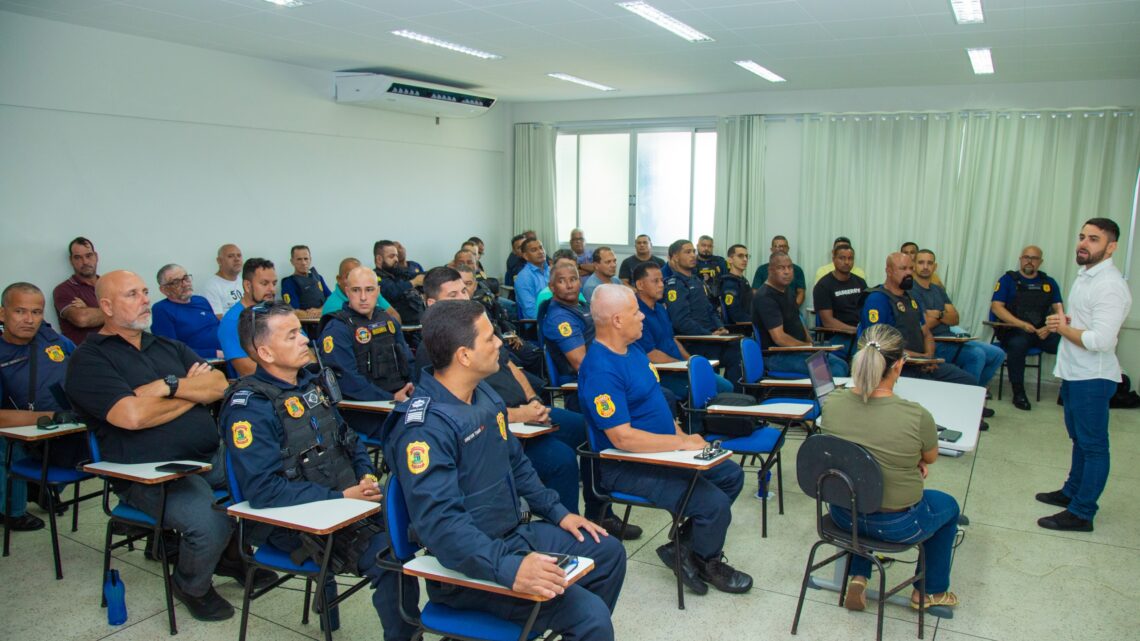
(185, 316)
(74, 298)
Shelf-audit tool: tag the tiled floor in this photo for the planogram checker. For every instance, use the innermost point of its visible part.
(1016, 581)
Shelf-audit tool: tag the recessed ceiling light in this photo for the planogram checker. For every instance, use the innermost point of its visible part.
(581, 81)
(981, 60)
(289, 4)
(664, 20)
(763, 72)
(419, 37)
(967, 11)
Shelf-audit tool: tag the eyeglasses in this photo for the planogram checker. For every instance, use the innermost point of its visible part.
(185, 280)
(1035, 259)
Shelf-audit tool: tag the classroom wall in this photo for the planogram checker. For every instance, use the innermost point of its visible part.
(161, 152)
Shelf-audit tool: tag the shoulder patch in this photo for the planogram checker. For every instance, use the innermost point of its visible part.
(327, 344)
(653, 368)
(914, 303)
(417, 410)
(604, 405)
(502, 421)
(873, 315)
(418, 456)
(564, 329)
(286, 297)
(294, 407)
(55, 352)
(728, 299)
(997, 286)
(242, 434)
(672, 296)
(1045, 288)
(240, 397)
(391, 327)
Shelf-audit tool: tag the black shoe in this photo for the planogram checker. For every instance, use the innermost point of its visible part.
(722, 576)
(989, 395)
(612, 524)
(27, 523)
(208, 607)
(987, 412)
(983, 427)
(236, 571)
(689, 574)
(1065, 520)
(1021, 401)
(1056, 497)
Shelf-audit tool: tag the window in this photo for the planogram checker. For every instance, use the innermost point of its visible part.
(616, 185)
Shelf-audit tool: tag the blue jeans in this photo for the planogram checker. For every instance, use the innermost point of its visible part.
(19, 486)
(796, 363)
(1086, 420)
(979, 360)
(933, 520)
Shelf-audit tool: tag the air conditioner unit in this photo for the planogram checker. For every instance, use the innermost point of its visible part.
(409, 96)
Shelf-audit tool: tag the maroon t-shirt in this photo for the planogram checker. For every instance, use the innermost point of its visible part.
(66, 292)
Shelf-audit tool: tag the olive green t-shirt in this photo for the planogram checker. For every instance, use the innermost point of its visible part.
(895, 431)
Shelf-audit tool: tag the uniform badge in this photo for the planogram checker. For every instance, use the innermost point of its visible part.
(240, 398)
(914, 303)
(391, 327)
(294, 407)
(327, 344)
(604, 405)
(502, 425)
(416, 410)
(997, 286)
(242, 434)
(565, 329)
(900, 306)
(320, 287)
(1046, 288)
(728, 298)
(653, 368)
(362, 335)
(873, 315)
(312, 398)
(55, 352)
(418, 459)
(672, 296)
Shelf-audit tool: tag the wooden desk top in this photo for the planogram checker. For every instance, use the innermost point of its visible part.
(375, 407)
(144, 473)
(776, 349)
(430, 568)
(680, 366)
(31, 433)
(318, 517)
(686, 459)
(771, 410)
(523, 431)
(709, 338)
(953, 339)
(917, 360)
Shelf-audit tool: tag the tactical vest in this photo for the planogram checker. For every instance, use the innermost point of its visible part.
(908, 317)
(1030, 302)
(310, 294)
(410, 302)
(318, 448)
(377, 349)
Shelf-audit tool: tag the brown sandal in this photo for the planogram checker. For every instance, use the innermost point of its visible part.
(946, 599)
(856, 599)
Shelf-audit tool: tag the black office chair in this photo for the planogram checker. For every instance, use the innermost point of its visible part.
(832, 470)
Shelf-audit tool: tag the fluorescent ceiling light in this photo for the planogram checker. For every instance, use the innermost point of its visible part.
(419, 37)
(581, 81)
(664, 20)
(290, 4)
(763, 72)
(967, 11)
(981, 60)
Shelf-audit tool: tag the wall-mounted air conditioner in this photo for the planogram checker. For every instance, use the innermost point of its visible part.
(410, 96)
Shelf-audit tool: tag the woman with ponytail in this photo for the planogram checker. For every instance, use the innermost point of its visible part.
(903, 438)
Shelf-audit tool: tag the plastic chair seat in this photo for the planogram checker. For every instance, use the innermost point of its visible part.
(274, 557)
(830, 528)
(469, 624)
(30, 468)
(125, 512)
(631, 498)
(761, 441)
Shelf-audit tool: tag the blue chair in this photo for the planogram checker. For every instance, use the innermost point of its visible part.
(272, 558)
(436, 618)
(752, 359)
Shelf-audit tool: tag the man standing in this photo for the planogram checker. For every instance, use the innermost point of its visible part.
(532, 279)
(643, 253)
(584, 259)
(604, 270)
(733, 288)
(463, 473)
(836, 295)
(183, 316)
(259, 282)
(686, 300)
(304, 289)
(778, 322)
(74, 298)
(1099, 301)
(396, 285)
(798, 286)
(223, 289)
(1023, 298)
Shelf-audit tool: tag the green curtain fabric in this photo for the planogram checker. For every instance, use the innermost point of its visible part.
(534, 205)
(740, 184)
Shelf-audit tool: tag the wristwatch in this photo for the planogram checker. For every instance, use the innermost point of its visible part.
(171, 382)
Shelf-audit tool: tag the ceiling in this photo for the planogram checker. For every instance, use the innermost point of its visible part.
(815, 44)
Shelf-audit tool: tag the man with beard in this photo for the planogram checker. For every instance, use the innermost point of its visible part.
(259, 282)
(643, 253)
(733, 289)
(799, 285)
(1099, 301)
(604, 270)
(837, 293)
(396, 285)
(778, 322)
(74, 298)
(686, 300)
(709, 266)
(183, 316)
(1023, 298)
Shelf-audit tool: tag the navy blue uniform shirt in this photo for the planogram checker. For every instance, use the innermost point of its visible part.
(657, 330)
(51, 352)
(615, 389)
(566, 328)
(337, 353)
(686, 298)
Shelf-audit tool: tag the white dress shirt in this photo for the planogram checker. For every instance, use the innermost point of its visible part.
(1099, 302)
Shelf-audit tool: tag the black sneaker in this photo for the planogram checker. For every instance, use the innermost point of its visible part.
(1021, 401)
(723, 576)
(612, 524)
(689, 574)
(208, 607)
(236, 571)
(1065, 520)
(983, 427)
(1056, 497)
(987, 412)
(27, 523)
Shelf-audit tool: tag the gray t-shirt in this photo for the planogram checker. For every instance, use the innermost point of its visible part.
(895, 431)
(934, 299)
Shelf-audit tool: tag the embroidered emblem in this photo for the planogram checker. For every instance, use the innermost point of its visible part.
(997, 286)
(327, 344)
(286, 297)
(653, 368)
(900, 306)
(1046, 288)
(604, 405)
(312, 398)
(55, 352)
(873, 316)
(914, 303)
(565, 329)
(391, 327)
(418, 459)
(243, 434)
(502, 425)
(728, 298)
(294, 407)
(362, 335)
(672, 296)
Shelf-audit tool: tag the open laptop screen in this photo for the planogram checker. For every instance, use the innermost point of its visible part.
(820, 374)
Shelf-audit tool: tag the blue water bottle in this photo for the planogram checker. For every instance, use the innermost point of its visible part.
(115, 593)
(763, 478)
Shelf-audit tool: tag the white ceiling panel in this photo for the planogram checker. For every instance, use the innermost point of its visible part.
(827, 11)
(760, 15)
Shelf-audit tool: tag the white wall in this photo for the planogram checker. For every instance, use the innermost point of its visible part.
(161, 152)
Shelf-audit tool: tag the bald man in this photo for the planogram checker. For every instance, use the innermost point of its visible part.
(145, 397)
(223, 289)
(337, 299)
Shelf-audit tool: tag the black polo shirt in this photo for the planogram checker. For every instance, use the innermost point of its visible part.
(106, 369)
(771, 309)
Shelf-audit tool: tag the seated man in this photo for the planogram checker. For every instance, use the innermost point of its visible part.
(259, 284)
(183, 316)
(272, 420)
(657, 339)
(830, 266)
(978, 359)
(1024, 298)
(531, 278)
(626, 409)
(26, 393)
(566, 326)
(584, 259)
(778, 323)
(733, 289)
(74, 298)
(687, 301)
(223, 288)
(304, 289)
(396, 285)
(515, 260)
(837, 295)
(799, 285)
(524, 353)
(643, 253)
(710, 267)
(910, 248)
(410, 268)
(145, 397)
(336, 300)
(462, 475)
(563, 256)
(604, 271)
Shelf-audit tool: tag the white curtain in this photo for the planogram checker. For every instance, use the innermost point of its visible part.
(534, 182)
(739, 214)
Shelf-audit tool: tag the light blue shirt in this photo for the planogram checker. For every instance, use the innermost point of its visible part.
(337, 299)
(528, 284)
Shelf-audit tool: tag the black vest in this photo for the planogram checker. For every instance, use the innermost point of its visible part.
(310, 294)
(377, 350)
(318, 447)
(908, 319)
(1030, 302)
